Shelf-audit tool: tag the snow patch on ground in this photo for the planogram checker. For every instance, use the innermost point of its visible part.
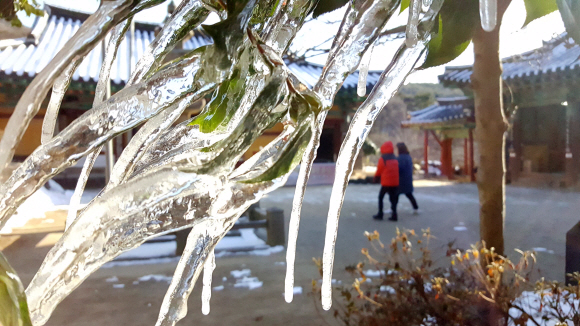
(118, 286)
(542, 249)
(248, 282)
(141, 262)
(155, 277)
(241, 273)
(460, 228)
(279, 263)
(49, 197)
(374, 273)
(295, 290)
(150, 250)
(112, 279)
(258, 252)
(218, 288)
(248, 239)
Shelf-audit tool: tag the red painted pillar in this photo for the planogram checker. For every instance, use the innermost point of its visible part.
(426, 152)
(447, 157)
(471, 155)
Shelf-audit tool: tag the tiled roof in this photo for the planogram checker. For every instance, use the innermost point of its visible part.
(447, 111)
(24, 58)
(557, 55)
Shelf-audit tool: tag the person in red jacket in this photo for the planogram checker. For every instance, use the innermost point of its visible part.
(388, 172)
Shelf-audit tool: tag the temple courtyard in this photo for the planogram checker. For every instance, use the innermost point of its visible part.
(248, 286)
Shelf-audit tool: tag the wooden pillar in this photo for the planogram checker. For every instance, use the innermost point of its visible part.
(447, 158)
(426, 152)
(465, 156)
(471, 156)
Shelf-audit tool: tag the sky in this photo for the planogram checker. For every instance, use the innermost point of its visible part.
(513, 39)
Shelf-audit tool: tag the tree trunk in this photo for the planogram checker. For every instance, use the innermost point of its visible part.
(491, 127)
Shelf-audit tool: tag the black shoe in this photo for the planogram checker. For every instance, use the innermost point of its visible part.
(393, 218)
(378, 217)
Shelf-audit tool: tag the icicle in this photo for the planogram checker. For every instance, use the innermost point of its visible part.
(412, 35)
(488, 14)
(391, 79)
(58, 89)
(198, 249)
(90, 33)
(293, 227)
(363, 72)
(360, 126)
(208, 268)
(360, 27)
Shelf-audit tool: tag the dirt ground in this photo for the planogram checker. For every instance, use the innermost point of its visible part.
(535, 219)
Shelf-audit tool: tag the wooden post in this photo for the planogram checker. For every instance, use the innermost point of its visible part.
(471, 156)
(426, 152)
(447, 157)
(572, 252)
(465, 157)
(276, 233)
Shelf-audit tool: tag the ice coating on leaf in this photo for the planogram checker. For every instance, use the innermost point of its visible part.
(363, 71)
(75, 200)
(391, 79)
(58, 89)
(488, 14)
(125, 217)
(359, 28)
(126, 109)
(13, 306)
(91, 32)
(102, 93)
(188, 15)
(208, 268)
(412, 35)
(147, 134)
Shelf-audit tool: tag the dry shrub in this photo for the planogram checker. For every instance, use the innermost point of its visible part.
(476, 287)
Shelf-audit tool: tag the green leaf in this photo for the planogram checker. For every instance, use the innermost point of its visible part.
(13, 306)
(325, 6)
(538, 8)
(405, 4)
(458, 20)
(570, 12)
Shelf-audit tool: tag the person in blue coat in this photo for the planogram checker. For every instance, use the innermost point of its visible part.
(406, 175)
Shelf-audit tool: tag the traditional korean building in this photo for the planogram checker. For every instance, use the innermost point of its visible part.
(448, 120)
(21, 59)
(543, 105)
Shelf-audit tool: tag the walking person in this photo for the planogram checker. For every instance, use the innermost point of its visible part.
(388, 172)
(406, 175)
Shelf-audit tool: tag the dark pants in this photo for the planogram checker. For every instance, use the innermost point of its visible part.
(412, 200)
(393, 198)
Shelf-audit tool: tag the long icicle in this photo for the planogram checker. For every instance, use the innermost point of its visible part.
(92, 31)
(102, 92)
(353, 39)
(208, 269)
(360, 126)
(488, 14)
(58, 90)
(199, 248)
(412, 34)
